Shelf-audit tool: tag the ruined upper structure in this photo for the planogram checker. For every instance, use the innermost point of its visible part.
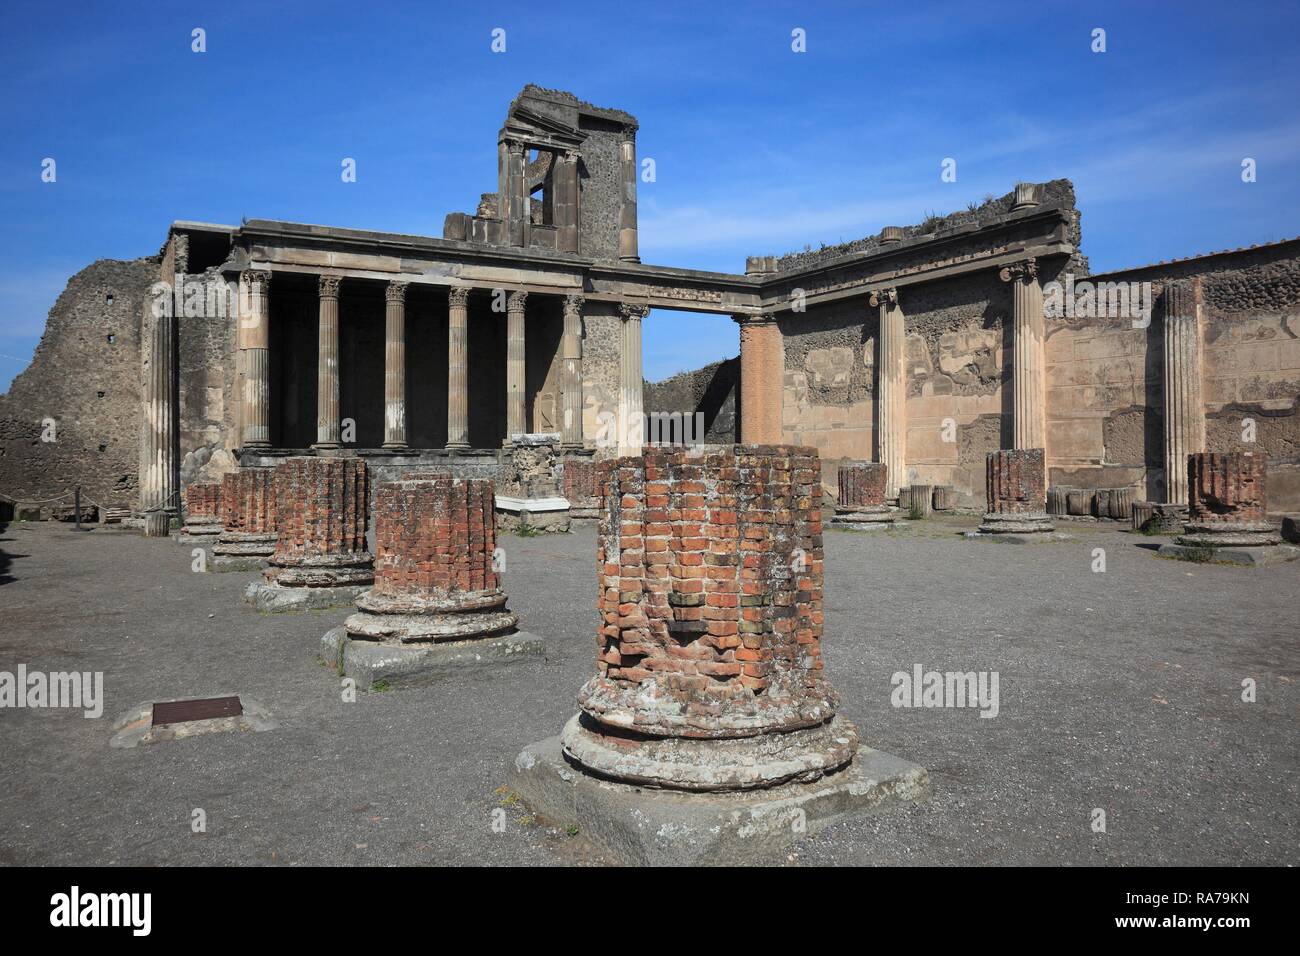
(924, 347)
(566, 180)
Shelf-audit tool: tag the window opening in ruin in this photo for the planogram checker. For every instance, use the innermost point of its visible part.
(111, 338)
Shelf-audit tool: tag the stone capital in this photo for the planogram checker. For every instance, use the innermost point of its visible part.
(630, 310)
(573, 304)
(1026, 270)
(885, 297)
(458, 297)
(752, 319)
(395, 292)
(516, 301)
(515, 147)
(329, 286)
(257, 277)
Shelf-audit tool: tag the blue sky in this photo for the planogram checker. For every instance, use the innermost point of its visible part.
(757, 149)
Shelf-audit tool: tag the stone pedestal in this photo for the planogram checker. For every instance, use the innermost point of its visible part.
(710, 689)
(1227, 510)
(203, 522)
(320, 555)
(945, 498)
(1016, 499)
(530, 491)
(436, 593)
(581, 487)
(248, 506)
(860, 505)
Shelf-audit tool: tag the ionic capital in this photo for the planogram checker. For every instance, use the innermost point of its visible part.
(886, 297)
(1025, 270)
(630, 310)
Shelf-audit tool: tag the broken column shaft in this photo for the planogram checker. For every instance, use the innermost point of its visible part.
(1017, 501)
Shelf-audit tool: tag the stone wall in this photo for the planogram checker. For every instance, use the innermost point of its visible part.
(1106, 378)
(85, 375)
(712, 390)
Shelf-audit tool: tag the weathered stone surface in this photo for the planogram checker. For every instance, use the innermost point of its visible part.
(411, 665)
(203, 515)
(650, 827)
(277, 599)
(1157, 517)
(945, 498)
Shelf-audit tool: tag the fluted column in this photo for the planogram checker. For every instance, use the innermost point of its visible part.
(457, 369)
(571, 383)
(1184, 413)
(627, 241)
(158, 478)
(516, 420)
(255, 337)
(514, 195)
(631, 416)
(761, 372)
(1029, 374)
(395, 365)
(566, 201)
(891, 389)
(327, 365)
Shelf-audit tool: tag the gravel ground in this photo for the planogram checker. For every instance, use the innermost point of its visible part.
(1118, 690)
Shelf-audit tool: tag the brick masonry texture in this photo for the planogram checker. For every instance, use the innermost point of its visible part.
(1015, 481)
(710, 570)
(248, 501)
(1227, 488)
(203, 501)
(322, 509)
(862, 484)
(434, 537)
(580, 480)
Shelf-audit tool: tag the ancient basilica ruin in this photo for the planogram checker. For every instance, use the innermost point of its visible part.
(351, 418)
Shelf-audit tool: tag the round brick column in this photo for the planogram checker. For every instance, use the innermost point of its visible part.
(322, 507)
(435, 575)
(1227, 501)
(1017, 499)
(862, 489)
(709, 666)
(248, 509)
(203, 509)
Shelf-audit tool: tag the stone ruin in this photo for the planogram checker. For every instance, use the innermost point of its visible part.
(203, 520)
(1228, 509)
(1017, 503)
(437, 600)
(709, 671)
(248, 506)
(581, 487)
(321, 558)
(861, 500)
(530, 495)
